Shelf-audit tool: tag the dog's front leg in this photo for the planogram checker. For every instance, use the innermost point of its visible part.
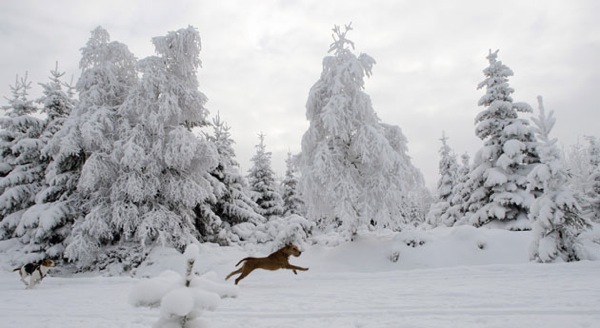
(25, 282)
(294, 268)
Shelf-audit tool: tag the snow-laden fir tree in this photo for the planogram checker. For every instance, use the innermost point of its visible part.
(231, 203)
(47, 224)
(292, 203)
(157, 172)
(354, 169)
(498, 182)
(460, 194)
(448, 170)
(415, 198)
(592, 194)
(261, 178)
(108, 71)
(555, 213)
(21, 169)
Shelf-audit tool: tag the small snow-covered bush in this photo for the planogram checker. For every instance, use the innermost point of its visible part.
(280, 231)
(412, 238)
(182, 299)
(408, 238)
(116, 260)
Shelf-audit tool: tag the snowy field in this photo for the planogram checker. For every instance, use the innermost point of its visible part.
(458, 277)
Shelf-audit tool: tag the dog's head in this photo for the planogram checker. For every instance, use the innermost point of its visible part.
(291, 249)
(47, 263)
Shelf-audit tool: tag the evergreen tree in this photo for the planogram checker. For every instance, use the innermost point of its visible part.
(460, 194)
(352, 166)
(292, 203)
(157, 172)
(108, 71)
(498, 181)
(448, 169)
(22, 172)
(47, 224)
(231, 203)
(592, 194)
(556, 214)
(410, 198)
(262, 182)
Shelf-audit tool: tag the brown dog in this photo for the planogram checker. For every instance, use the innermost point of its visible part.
(275, 261)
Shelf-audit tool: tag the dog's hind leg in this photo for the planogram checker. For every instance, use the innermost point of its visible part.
(234, 273)
(245, 271)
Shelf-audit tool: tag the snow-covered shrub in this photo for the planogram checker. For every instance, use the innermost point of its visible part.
(588, 244)
(182, 299)
(406, 239)
(115, 260)
(412, 238)
(280, 231)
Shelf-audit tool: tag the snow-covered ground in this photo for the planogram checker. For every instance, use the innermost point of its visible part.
(459, 277)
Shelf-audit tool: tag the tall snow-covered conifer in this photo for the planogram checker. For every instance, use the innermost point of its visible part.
(47, 224)
(460, 194)
(107, 74)
(261, 178)
(292, 203)
(448, 169)
(498, 181)
(353, 167)
(555, 214)
(158, 168)
(159, 165)
(592, 190)
(21, 168)
(231, 203)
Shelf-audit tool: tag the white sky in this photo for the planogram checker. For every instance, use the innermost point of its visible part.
(260, 58)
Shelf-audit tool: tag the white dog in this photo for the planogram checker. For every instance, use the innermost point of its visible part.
(35, 271)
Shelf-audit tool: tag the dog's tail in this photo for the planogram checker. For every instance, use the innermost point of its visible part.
(242, 260)
(16, 269)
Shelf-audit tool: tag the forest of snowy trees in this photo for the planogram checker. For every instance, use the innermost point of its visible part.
(129, 158)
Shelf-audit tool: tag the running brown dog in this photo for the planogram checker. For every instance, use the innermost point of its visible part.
(275, 261)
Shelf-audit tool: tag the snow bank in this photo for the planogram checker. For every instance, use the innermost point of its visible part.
(415, 249)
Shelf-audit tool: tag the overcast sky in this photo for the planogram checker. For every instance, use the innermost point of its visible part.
(260, 58)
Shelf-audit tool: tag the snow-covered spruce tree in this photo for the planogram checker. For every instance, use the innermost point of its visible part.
(107, 73)
(46, 225)
(555, 214)
(592, 194)
(292, 203)
(232, 203)
(577, 159)
(460, 194)
(21, 170)
(353, 167)
(415, 198)
(448, 169)
(157, 172)
(498, 181)
(261, 178)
